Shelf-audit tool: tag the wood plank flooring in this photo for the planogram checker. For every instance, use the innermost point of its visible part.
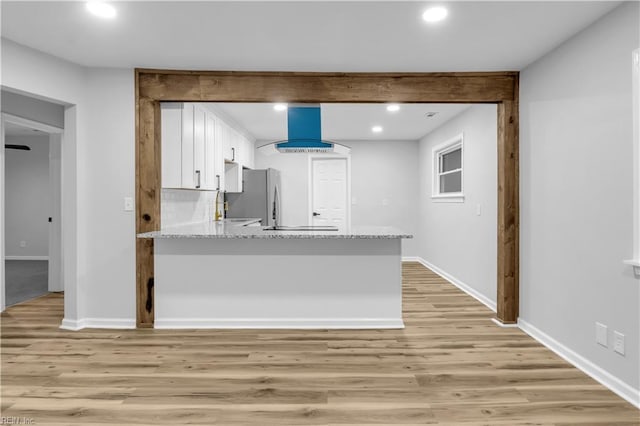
(450, 366)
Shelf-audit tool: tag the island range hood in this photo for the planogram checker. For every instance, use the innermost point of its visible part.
(304, 133)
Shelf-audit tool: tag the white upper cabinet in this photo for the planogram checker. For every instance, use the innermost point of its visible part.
(199, 131)
(184, 150)
(212, 179)
(248, 150)
(171, 137)
(231, 143)
(200, 150)
(187, 147)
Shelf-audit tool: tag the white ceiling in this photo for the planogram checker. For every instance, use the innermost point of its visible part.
(344, 122)
(306, 36)
(300, 36)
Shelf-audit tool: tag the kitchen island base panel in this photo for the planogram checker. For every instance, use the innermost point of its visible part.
(278, 283)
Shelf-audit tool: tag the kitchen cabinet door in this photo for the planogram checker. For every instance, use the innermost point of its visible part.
(219, 152)
(232, 145)
(188, 169)
(211, 176)
(199, 132)
(228, 141)
(248, 153)
(171, 137)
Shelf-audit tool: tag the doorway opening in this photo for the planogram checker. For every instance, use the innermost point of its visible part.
(32, 252)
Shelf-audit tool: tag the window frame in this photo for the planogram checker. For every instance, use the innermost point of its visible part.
(450, 145)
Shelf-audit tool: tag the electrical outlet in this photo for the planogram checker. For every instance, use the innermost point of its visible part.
(23, 244)
(618, 342)
(128, 204)
(601, 334)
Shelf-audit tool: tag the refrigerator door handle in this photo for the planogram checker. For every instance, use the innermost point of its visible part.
(276, 211)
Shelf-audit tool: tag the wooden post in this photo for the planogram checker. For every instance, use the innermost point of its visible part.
(148, 167)
(508, 212)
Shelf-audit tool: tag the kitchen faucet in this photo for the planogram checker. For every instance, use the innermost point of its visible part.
(217, 215)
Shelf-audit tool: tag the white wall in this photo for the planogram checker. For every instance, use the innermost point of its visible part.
(452, 236)
(576, 193)
(98, 154)
(107, 167)
(31, 72)
(380, 170)
(35, 109)
(27, 197)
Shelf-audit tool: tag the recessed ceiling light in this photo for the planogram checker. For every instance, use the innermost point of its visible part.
(376, 129)
(280, 107)
(101, 9)
(393, 107)
(435, 14)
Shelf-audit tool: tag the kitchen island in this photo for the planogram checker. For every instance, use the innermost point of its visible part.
(226, 275)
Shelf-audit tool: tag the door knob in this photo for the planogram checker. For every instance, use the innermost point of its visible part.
(316, 214)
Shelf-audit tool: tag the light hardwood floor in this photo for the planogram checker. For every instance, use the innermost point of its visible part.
(450, 365)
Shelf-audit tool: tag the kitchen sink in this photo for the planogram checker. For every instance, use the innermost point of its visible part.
(300, 228)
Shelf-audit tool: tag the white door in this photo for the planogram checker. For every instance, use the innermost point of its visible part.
(329, 189)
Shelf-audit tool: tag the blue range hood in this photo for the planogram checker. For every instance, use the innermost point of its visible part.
(304, 133)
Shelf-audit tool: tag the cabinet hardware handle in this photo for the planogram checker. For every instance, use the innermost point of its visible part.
(233, 154)
(198, 179)
(218, 178)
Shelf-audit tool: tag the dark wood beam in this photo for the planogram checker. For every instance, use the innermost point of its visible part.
(508, 212)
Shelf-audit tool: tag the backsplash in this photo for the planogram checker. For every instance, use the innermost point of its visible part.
(180, 206)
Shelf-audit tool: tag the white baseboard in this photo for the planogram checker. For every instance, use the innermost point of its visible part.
(115, 323)
(461, 285)
(608, 380)
(284, 323)
(73, 325)
(26, 258)
(497, 322)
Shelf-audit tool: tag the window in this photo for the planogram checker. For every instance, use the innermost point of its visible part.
(448, 170)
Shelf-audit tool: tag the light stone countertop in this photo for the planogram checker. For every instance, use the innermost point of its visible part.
(234, 230)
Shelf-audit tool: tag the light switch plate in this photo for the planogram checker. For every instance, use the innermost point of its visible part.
(601, 334)
(128, 204)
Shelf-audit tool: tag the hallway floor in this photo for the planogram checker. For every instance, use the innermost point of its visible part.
(25, 279)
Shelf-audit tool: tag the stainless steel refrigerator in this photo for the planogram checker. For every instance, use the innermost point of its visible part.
(260, 197)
